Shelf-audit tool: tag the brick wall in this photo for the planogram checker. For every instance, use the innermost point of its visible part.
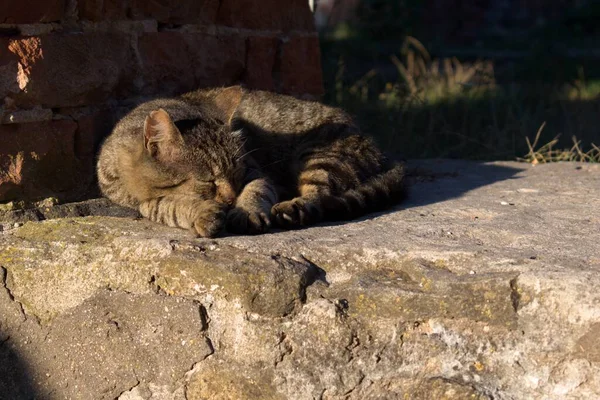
(69, 68)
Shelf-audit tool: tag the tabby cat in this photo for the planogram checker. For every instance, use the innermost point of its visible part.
(244, 160)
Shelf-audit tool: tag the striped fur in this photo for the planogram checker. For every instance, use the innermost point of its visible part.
(204, 217)
(337, 184)
(183, 168)
(241, 160)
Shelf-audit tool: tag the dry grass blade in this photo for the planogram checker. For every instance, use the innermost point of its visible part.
(462, 112)
(405, 74)
(421, 67)
(532, 156)
(547, 153)
(418, 46)
(410, 63)
(449, 72)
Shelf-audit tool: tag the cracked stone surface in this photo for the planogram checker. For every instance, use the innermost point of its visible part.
(485, 284)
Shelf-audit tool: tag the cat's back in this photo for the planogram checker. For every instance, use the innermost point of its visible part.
(287, 114)
(132, 123)
(268, 111)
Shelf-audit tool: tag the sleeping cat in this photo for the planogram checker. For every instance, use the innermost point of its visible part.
(244, 160)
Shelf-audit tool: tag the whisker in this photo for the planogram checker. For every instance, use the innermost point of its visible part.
(274, 162)
(241, 146)
(246, 153)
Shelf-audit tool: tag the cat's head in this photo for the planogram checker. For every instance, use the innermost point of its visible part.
(194, 157)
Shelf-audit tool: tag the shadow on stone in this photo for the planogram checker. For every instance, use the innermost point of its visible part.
(438, 180)
(433, 181)
(15, 381)
(40, 212)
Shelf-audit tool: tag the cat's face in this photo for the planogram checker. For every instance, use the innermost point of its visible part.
(194, 157)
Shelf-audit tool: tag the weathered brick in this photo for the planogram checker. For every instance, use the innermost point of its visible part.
(72, 70)
(217, 61)
(9, 69)
(98, 10)
(48, 72)
(92, 128)
(37, 159)
(18, 116)
(166, 63)
(175, 62)
(175, 11)
(164, 11)
(31, 11)
(300, 66)
(260, 62)
(267, 14)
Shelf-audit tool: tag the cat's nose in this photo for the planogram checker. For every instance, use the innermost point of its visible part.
(228, 200)
(225, 194)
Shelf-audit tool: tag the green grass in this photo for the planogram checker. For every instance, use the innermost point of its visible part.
(448, 108)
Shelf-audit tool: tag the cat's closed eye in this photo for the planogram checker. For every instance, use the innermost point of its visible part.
(171, 185)
(205, 187)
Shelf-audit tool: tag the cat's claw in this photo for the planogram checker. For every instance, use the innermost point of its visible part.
(294, 213)
(210, 220)
(248, 222)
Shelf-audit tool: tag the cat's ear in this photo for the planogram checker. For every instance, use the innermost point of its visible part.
(228, 100)
(161, 134)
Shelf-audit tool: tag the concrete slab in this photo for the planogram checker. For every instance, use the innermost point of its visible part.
(484, 284)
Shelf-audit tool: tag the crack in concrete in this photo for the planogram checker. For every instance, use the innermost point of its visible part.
(515, 296)
(204, 325)
(285, 348)
(4, 283)
(357, 386)
(130, 388)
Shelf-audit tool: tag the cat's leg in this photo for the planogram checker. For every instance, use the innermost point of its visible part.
(252, 211)
(205, 218)
(336, 190)
(336, 181)
(318, 180)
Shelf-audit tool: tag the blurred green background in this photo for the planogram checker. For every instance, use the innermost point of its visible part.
(467, 79)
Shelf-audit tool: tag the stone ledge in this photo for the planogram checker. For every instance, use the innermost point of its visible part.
(482, 285)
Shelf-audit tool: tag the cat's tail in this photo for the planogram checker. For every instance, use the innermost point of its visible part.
(376, 194)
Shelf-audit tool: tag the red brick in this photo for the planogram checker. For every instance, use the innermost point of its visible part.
(90, 10)
(300, 66)
(31, 11)
(217, 61)
(37, 159)
(166, 64)
(175, 11)
(266, 14)
(8, 70)
(175, 62)
(91, 130)
(98, 10)
(72, 70)
(260, 62)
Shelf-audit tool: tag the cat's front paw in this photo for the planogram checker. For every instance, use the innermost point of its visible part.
(248, 222)
(294, 213)
(209, 219)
